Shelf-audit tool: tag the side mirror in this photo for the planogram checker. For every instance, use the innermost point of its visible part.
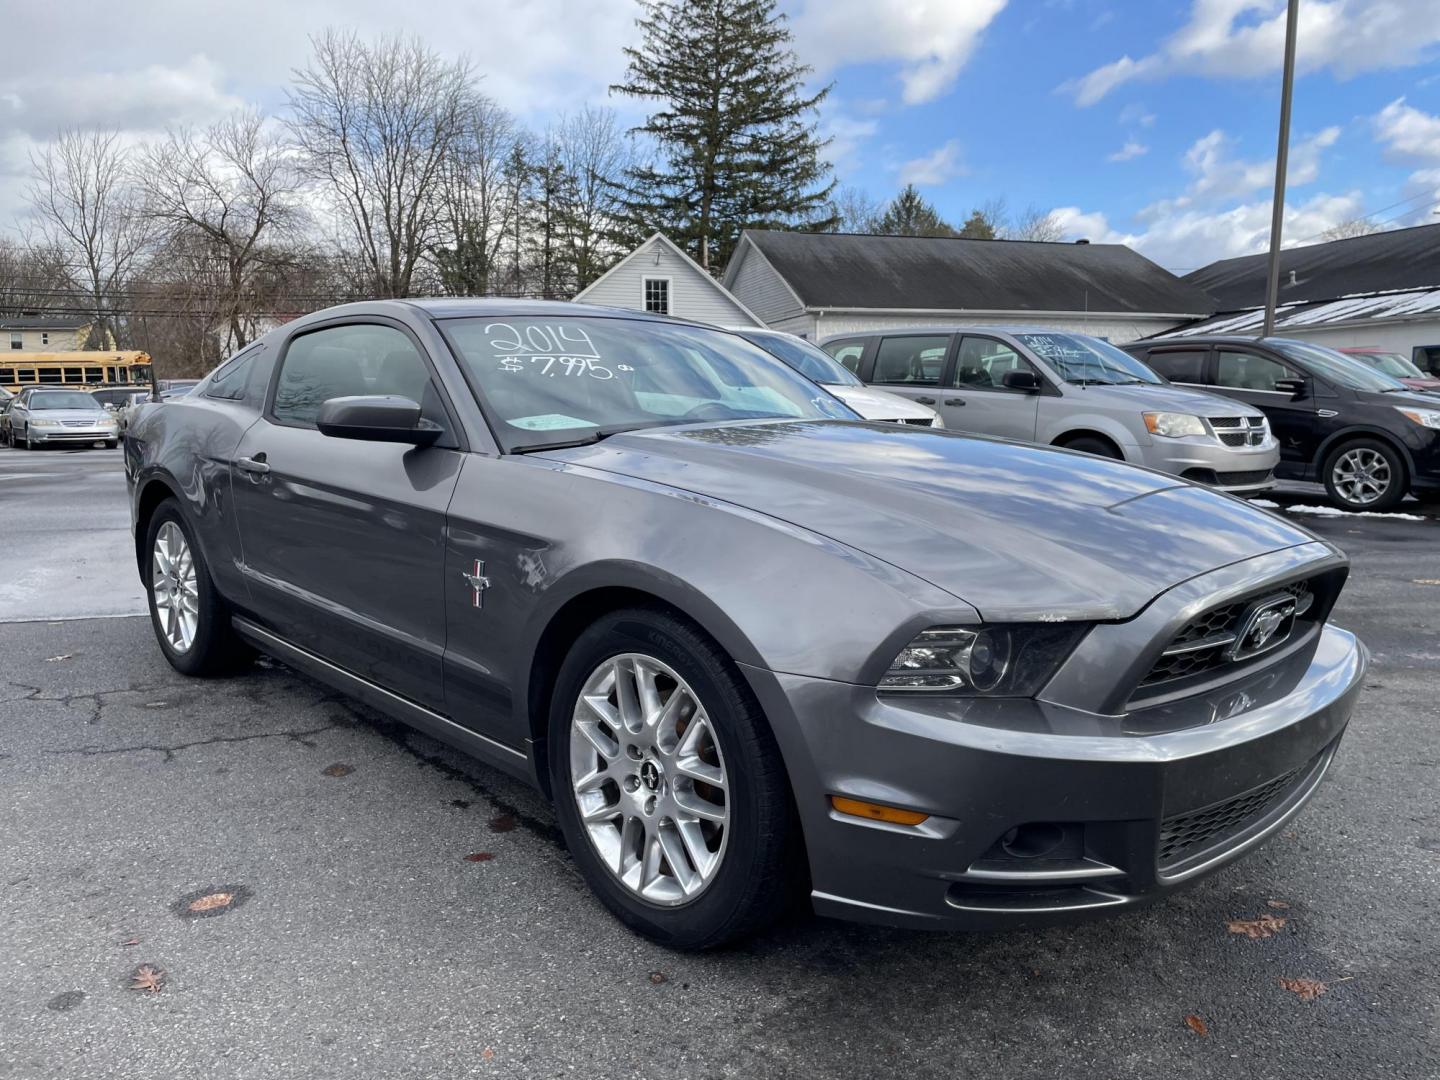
(1021, 380)
(1293, 387)
(376, 418)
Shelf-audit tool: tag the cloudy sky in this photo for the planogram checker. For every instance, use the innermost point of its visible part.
(1147, 121)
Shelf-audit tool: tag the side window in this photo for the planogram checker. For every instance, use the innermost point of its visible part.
(911, 361)
(848, 354)
(346, 361)
(1178, 365)
(983, 363)
(1247, 371)
(231, 378)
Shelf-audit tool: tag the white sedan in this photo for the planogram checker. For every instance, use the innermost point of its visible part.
(822, 369)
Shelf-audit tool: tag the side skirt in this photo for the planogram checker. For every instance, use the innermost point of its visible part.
(515, 762)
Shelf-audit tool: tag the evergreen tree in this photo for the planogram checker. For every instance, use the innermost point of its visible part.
(734, 131)
(910, 215)
(978, 227)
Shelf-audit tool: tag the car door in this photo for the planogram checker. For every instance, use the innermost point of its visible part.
(1250, 376)
(911, 365)
(343, 540)
(1184, 365)
(975, 397)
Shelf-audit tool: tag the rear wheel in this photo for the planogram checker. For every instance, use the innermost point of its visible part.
(1088, 444)
(1365, 474)
(668, 783)
(190, 618)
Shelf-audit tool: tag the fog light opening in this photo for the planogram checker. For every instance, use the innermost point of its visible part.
(1033, 841)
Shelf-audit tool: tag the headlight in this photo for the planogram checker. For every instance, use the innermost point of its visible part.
(1424, 417)
(35, 422)
(991, 661)
(1173, 425)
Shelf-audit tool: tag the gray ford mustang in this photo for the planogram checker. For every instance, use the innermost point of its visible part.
(745, 641)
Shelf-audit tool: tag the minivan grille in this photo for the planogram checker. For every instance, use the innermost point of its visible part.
(1239, 431)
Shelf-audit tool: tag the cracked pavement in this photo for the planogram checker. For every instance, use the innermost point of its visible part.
(370, 945)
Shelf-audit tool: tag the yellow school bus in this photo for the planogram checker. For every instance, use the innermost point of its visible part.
(125, 368)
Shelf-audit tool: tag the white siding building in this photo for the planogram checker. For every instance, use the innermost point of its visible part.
(818, 285)
(660, 278)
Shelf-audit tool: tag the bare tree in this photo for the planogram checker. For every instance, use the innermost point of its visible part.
(375, 125)
(87, 209)
(232, 192)
(1034, 224)
(476, 200)
(856, 210)
(1344, 230)
(33, 278)
(595, 152)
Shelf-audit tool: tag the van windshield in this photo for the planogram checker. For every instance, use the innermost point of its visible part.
(1087, 361)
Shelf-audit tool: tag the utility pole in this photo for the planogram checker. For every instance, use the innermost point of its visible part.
(1282, 157)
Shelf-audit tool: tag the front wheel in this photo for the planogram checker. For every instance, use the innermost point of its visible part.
(668, 783)
(1365, 474)
(190, 618)
(1096, 447)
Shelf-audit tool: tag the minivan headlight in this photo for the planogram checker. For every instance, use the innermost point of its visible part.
(1424, 417)
(1013, 660)
(1173, 425)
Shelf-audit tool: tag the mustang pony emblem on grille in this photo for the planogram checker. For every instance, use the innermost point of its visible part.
(1267, 625)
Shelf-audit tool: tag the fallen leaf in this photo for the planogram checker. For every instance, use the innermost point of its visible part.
(1305, 989)
(147, 978)
(211, 901)
(487, 1053)
(503, 823)
(55, 659)
(1427, 581)
(338, 770)
(658, 977)
(460, 804)
(479, 856)
(1281, 904)
(1195, 1024)
(1263, 927)
(132, 941)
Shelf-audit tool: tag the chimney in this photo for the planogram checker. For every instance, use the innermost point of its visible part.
(1082, 241)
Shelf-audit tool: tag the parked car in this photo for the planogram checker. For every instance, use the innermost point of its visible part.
(1366, 436)
(741, 640)
(40, 416)
(818, 366)
(6, 400)
(1397, 366)
(116, 398)
(1069, 390)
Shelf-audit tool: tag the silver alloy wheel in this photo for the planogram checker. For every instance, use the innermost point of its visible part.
(177, 594)
(650, 783)
(1362, 475)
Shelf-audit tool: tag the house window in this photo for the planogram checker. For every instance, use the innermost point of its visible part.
(44, 337)
(657, 295)
(17, 339)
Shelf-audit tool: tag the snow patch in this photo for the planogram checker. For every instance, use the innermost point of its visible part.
(1334, 511)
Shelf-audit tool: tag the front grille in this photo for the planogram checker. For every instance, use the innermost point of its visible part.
(1186, 834)
(80, 423)
(1243, 479)
(1237, 431)
(920, 422)
(1201, 644)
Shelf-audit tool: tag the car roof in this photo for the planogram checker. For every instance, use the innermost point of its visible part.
(1004, 329)
(462, 307)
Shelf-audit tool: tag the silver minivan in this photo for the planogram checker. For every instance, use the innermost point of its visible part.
(1065, 389)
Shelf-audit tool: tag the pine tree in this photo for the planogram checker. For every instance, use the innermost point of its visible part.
(978, 227)
(734, 132)
(910, 215)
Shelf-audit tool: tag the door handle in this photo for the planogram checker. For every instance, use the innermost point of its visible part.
(254, 465)
(954, 401)
(926, 400)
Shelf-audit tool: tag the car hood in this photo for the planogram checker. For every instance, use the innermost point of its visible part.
(875, 404)
(1162, 397)
(1019, 532)
(70, 414)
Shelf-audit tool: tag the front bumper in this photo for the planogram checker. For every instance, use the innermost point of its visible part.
(1044, 813)
(1242, 470)
(72, 435)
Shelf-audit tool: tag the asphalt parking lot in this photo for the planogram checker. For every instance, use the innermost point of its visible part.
(398, 910)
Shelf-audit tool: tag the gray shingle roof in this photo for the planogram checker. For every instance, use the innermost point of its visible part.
(1380, 262)
(842, 270)
(43, 322)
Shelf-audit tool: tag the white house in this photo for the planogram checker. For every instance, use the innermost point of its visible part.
(820, 284)
(1380, 291)
(660, 278)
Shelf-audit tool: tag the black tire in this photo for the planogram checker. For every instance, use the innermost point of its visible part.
(215, 648)
(758, 870)
(1396, 479)
(1087, 444)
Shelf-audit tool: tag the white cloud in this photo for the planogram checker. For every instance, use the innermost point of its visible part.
(934, 168)
(1407, 132)
(1137, 115)
(1245, 39)
(1218, 175)
(930, 39)
(1129, 152)
(846, 134)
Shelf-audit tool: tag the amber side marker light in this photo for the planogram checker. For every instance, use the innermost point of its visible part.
(876, 812)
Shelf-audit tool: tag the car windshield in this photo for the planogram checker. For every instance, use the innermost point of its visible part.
(807, 359)
(1391, 364)
(1339, 368)
(1086, 360)
(62, 399)
(562, 381)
